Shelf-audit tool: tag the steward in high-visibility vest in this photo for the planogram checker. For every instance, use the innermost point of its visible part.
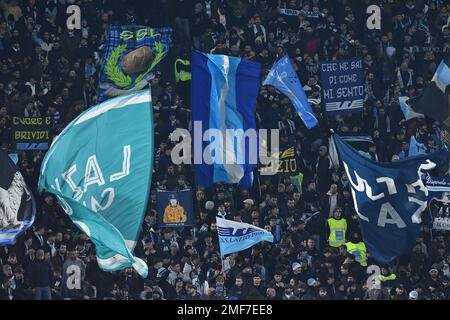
(359, 251)
(337, 227)
(182, 70)
(386, 275)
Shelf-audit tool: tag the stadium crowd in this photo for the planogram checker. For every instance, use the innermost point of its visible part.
(46, 69)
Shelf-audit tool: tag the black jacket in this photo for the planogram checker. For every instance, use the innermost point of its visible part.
(41, 274)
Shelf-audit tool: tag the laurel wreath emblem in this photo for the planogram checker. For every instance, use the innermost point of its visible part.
(120, 79)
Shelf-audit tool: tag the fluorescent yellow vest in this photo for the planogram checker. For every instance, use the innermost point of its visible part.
(182, 75)
(359, 251)
(337, 232)
(386, 278)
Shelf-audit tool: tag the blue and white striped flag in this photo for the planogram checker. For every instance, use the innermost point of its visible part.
(224, 91)
(237, 236)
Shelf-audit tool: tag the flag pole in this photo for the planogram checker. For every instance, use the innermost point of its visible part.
(222, 260)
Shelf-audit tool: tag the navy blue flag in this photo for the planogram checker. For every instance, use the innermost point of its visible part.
(389, 199)
(224, 91)
(17, 206)
(343, 86)
(175, 208)
(434, 101)
(439, 201)
(130, 57)
(283, 77)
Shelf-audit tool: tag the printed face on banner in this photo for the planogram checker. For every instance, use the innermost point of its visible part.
(174, 208)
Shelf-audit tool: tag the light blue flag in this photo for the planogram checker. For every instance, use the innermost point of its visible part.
(406, 109)
(14, 157)
(100, 169)
(415, 147)
(283, 77)
(237, 236)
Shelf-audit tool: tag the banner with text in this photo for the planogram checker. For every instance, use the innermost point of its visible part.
(296, 13)
(285, 162)
(32, 133)
(342, 86)
(439, 201)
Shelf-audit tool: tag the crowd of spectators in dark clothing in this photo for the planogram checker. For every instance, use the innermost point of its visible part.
(46, 69)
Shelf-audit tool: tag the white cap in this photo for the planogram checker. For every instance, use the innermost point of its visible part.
(311, 282)
(413, 295)
(209, 205)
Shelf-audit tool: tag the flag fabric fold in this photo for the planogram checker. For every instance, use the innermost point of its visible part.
(224, 92)
(112, 251)
(100, 169)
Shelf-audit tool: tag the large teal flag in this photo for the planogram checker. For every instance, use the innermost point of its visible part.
(100, 169)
